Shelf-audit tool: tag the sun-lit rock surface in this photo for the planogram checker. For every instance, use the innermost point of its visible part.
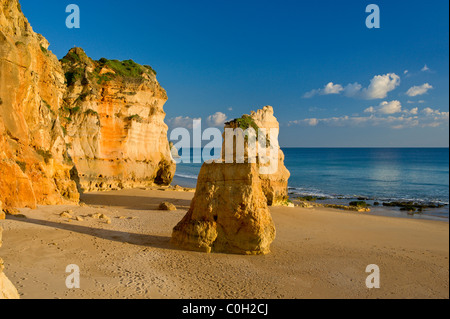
(275, 184)
(106, 117)
(114, 120)
(228, 213)
(34, 166)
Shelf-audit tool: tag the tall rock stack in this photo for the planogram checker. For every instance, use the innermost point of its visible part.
(34, 164)
(275, 184)
(229, 212)
(114, 118)
(7, 289)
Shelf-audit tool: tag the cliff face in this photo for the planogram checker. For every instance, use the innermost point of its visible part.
(106, 117)
(34, 166)
(114, 119)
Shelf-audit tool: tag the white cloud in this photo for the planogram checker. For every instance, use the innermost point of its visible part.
(419, 90)
(396, 122)
(428, 117)
(381, 85)
(436, 113)
(370, 110)
(414, 111)
(425, 68)
(391, 107)
(385, 107)
(428, 111)
(332, 88)
(182, 121)
(217, 119)
(230, 109)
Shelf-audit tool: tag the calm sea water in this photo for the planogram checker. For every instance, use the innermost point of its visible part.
(378, 174)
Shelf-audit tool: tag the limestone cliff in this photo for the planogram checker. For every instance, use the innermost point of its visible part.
(275, 184)
(7, 289)
(114, 120)
(228, 213)
(34, 166)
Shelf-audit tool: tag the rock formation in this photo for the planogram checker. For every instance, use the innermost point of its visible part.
(106, 117)
(114, 120)
(275, 184)
(228, 213)
(7, 289)
(34, 165)
(167, 206)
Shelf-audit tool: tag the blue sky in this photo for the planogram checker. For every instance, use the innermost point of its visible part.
(331, 80)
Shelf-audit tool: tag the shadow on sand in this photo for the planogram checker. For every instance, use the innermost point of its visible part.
(154, 241)
(131, 202)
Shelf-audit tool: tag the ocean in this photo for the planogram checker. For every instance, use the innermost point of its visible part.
(340, 175)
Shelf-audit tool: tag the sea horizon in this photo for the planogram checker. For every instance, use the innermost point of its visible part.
(388, 174)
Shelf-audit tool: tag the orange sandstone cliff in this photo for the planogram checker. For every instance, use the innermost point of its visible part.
(76, 124)
(34, 164)
(114, 120)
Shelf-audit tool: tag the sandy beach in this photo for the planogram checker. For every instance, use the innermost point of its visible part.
(318, 253)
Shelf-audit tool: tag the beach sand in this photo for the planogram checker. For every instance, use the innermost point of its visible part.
(318, 253)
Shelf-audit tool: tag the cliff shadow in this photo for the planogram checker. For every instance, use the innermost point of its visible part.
(76, 178)
(132, 202)
(162, 242)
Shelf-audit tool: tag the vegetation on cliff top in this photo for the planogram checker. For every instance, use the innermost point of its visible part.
(76, 61)
(127, 68)
(245, 122)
